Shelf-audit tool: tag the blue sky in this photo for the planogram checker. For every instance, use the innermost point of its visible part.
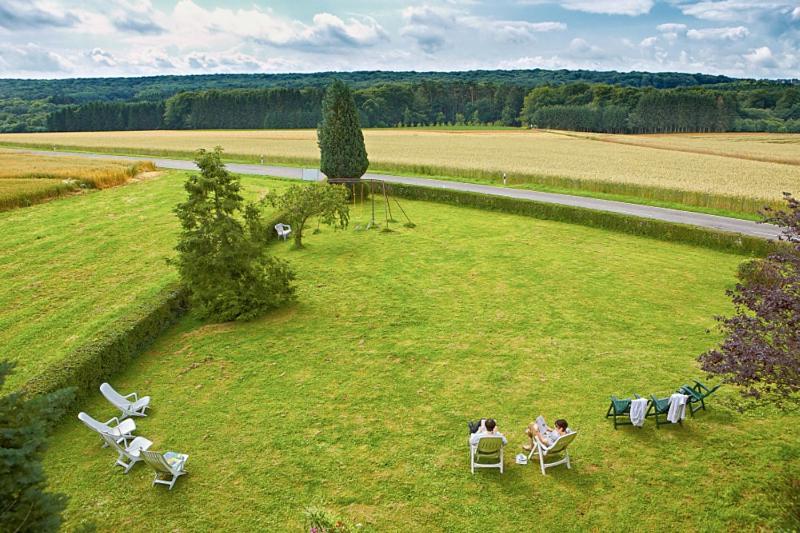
(58, 38)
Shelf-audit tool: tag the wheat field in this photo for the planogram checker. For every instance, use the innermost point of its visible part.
(26, 179)
(730, 171)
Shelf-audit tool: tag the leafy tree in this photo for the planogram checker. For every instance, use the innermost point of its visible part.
(301, 202)
(24, 423)
(341, 143)
(761, 349)
(222, 257)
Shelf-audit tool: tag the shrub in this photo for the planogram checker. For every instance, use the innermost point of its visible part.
(100, 358)
(223, 261)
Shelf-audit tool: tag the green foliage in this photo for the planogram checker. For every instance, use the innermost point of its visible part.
(656, 229)
(223, 260)
(319, 520)
(301, 202)
(341, 143)
(24, 423)
(109, 352)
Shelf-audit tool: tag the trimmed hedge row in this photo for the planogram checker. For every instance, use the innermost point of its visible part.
(110, 351)
(657, 229)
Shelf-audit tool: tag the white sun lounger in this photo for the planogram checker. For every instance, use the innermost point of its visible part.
(136, 407)
(558, 448)
(128, 455)
(121, 431)
(163, 469)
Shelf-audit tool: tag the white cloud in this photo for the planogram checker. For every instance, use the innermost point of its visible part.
(648, 42)
(430, 25)
(32, 58)
(34, 15)
(734, 10)
(605, 7)
(263, 26)
(671, 27)
(761, 57)
(581, 48)
(102, 58)
(718, 34)
(795, 14)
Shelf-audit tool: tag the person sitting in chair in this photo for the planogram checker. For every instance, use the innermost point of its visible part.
(488, 428)
(545, 434)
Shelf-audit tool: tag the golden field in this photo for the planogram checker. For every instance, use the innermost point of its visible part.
(711, 170)
(27, 179)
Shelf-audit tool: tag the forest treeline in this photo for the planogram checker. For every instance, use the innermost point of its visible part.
(574, 106)
(577, 100)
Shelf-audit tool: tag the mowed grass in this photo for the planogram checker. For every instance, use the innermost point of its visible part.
(26, 179)
(724, 172)
(357, 396)
(70, 268)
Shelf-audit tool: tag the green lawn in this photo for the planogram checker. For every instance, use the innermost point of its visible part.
(357, 396)
(70, 267)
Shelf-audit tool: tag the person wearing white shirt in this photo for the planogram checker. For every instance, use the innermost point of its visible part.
(488, 428)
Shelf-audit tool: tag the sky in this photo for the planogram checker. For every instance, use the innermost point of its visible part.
(104, 38)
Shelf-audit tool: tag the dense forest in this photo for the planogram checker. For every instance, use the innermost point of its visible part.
(577, 100)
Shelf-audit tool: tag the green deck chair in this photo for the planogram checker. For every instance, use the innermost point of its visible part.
(659, 407)
(620, 408)
(558, 451)
(697, 395)
(488, 453)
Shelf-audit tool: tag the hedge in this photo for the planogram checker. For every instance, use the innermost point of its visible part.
(657, 229)
(97, 360)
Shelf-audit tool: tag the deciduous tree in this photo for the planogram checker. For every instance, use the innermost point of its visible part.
(302, 202)
(761, 349)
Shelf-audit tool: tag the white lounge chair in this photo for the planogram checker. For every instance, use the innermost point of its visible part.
(136, 407)
(120, 431)
(283, 230)
(163, 468)
(132, 452)
(487, 453)
(558, 449)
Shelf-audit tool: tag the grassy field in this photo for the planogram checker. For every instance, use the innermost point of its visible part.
(70, 268)
(717, 172)
(26, 179)
(356, 397)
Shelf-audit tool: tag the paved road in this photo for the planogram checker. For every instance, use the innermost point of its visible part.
(733, 225)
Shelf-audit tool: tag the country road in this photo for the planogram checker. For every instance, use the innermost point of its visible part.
(732, 225)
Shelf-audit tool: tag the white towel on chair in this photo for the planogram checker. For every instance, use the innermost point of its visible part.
(677, 407)
(638, 411)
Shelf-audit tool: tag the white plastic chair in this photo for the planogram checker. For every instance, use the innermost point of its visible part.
(283, 230)
(132, 452)
(158, 463)
(121, 431)
(488, 446)
(136, 407)
(558, 447)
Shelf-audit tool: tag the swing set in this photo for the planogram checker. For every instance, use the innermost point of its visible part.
(375, 187)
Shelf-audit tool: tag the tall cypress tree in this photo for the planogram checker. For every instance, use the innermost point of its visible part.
(341, 143)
